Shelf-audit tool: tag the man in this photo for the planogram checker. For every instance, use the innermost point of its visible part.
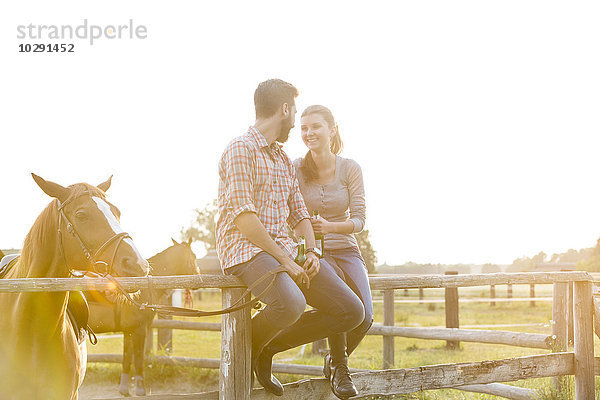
(258, 197)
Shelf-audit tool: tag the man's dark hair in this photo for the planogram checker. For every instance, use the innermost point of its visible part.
(271, 94)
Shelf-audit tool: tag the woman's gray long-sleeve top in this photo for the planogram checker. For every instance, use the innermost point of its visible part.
(337, 201)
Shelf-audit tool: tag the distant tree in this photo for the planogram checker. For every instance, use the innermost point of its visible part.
(571, 255)
(367, 251)
(203, 226)
(587, 259)
(489, 268)
(522, 264)
(539, 258)
(591, 262)
(595, 257)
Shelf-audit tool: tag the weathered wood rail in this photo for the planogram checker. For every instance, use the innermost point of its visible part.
(530, 340)
(531, 298)
(235, 350)
(378, 282)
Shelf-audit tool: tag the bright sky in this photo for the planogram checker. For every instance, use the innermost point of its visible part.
(476, 123)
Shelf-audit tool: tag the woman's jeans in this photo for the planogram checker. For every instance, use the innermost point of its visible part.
(350, 265)
(336, 308)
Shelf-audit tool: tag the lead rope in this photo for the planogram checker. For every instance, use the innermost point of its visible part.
(150, 289)
(188, 312)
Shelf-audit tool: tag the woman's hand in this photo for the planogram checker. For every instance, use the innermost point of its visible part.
(320, 225)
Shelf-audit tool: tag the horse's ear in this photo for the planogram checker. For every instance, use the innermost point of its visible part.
(105, 185)
(50, 188)
(174, 242)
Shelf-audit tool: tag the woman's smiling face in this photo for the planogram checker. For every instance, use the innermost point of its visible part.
(316, 134)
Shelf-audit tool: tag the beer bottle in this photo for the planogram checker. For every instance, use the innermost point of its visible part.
(319, 238)
(301, 257)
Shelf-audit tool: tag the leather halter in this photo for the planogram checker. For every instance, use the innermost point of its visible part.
(90, 255)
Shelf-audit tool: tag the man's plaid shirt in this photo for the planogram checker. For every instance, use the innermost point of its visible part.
(256, 177)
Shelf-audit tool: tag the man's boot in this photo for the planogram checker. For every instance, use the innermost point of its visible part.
(288, 338)
(262, 333)
(264, 365)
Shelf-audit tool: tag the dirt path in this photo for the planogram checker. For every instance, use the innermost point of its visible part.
(98, 391)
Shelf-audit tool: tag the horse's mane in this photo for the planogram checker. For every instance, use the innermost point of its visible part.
(161, 254)
(45, 227)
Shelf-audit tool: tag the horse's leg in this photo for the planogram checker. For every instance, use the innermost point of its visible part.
(127, 354)
(139, 340)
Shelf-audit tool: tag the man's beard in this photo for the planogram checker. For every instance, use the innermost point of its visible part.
(284, 131)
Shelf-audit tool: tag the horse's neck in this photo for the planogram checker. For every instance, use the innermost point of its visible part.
(47, 308)
(42, 256)
(46, 262)
(162, 263)
(33, 329)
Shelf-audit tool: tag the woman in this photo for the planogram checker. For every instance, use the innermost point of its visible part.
(333, 186)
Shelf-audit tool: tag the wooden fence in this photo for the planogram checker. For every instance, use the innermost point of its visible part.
(492, 297)
(234, 382)
(387, 330)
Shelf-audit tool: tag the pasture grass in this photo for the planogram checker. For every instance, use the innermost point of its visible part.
(408, 352)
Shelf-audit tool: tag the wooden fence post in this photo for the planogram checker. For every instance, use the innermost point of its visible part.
(492, 295)
(451, 300)
(570, 313)
(164, 341)
(583, 313)
(236, 346)
(388, 320)
(532, 295)
(509, 291)
(559, 325)
(421, 295)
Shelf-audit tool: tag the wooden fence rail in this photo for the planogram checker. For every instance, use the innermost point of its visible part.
(529, 340)
(377, 282)
(409, 380)
(520, 339)
(234, 381)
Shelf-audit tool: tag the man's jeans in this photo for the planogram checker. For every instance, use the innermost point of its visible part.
(336, 308)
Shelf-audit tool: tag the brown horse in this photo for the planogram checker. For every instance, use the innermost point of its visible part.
(40, 357)
(115, 316)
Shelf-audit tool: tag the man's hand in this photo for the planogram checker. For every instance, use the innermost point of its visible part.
(296, 272)
(311, 265)
(251, 227)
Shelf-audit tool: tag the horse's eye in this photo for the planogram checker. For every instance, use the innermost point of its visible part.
(80, 215)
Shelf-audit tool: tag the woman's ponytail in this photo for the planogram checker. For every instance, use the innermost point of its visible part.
(336, 144)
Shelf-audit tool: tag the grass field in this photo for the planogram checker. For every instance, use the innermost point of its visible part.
(102, 379)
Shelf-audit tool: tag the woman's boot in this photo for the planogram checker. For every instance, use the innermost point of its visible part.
(339, 378)
(336, 368)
